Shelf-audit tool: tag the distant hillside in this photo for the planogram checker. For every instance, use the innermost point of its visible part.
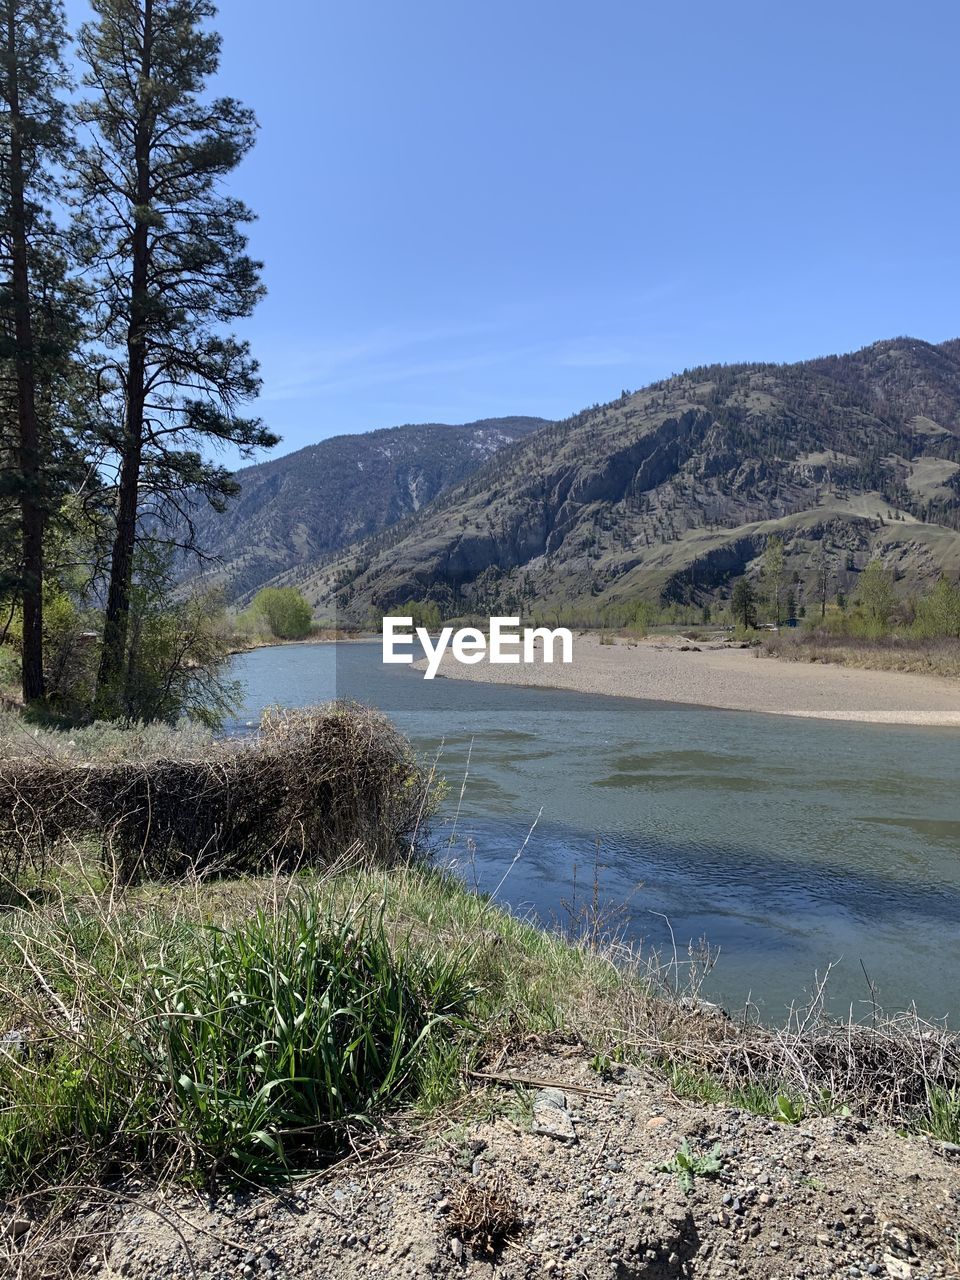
(299, 508)
(671, 492)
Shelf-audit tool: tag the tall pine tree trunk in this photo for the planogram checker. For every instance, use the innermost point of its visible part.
(28, 460)
(110, 677)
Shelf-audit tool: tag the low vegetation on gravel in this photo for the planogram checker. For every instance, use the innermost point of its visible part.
(219, 1034)
(919, 655)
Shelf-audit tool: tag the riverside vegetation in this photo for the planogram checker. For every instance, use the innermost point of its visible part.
(295, 974)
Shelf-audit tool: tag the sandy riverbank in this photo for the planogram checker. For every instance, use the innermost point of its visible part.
(735, 680)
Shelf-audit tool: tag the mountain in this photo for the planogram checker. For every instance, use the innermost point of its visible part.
(300, 508)
(671, 492)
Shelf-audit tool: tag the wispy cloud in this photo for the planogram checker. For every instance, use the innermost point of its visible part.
(540, 332)
(595, 353)
(298, 370)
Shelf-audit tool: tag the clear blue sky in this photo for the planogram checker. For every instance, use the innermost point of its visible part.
(515, 206)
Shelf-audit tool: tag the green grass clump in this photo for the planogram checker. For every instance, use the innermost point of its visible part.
(247, 1050)
(281, 1032)
(942, 1118)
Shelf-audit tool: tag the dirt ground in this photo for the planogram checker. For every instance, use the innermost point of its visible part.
(562, 1182)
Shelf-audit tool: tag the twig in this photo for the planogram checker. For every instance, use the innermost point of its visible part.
(492, 1077)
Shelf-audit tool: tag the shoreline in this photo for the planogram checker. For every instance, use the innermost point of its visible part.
(724, 678)
(324, 636)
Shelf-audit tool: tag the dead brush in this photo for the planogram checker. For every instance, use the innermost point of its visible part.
(310, 784)
(485, 1215)
(899, 1069)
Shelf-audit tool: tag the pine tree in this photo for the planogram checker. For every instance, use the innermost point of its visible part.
(773, 574)
(743, 604)
(35, 326)
(168, 250)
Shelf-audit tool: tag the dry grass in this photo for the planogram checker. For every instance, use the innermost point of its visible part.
(310, 785)
(889, 653)
(484, 1215)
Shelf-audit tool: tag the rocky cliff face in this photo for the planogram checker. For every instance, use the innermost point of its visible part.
(303, 507)
(672, 491)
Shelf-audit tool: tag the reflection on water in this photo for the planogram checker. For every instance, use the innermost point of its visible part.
(788, 843)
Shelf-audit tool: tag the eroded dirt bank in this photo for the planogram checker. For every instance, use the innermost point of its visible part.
(829, 1196)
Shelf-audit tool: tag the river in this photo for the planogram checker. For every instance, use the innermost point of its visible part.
(786, 843)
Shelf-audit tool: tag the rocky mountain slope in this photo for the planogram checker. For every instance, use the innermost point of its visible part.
(670, 492)
(302, 507)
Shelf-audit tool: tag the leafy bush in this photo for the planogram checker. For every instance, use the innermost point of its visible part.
(288, 614)
(937, 615)
(177, 654)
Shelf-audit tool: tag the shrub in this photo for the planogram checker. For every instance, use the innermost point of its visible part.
(288, 614)
(877, 597)
(311, 787)
(938, 613)
(177, 655)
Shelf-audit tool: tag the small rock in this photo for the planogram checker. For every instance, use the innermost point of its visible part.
(551, 1119)
(550, 1098)
(896, 1241)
